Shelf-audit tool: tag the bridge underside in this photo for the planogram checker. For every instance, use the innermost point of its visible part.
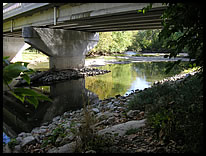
(125, 21)
(59, 35)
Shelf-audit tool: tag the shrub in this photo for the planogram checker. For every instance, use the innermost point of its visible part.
(175, 112)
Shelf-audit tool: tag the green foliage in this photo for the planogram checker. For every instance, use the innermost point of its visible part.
(121, 40)
(59, 131)
(145, 9)
(105, 41)
(12, 143)
(29, 95)
(11, 71)
(185, 20)
(113, 41)
(175, 111)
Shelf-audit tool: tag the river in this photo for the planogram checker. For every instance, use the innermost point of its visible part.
(125, 77)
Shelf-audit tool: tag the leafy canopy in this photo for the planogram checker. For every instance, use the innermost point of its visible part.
(186, 21)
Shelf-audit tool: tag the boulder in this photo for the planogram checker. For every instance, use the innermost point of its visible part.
(67, 148)
(122, 128)
(27, 140)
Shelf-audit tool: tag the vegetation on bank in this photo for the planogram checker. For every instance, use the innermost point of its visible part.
(175, 111)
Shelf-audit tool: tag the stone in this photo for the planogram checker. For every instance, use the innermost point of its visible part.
(19, 139)
(66, 114)
(53, 150)
(132, 113)
(110, 120)
(67, 148)
(104, 115)
(17, 149)
(91, 151)
(96, 110)
(6, 149)
(22, 134)
(27, 140)
(56, 118)
(122, 128)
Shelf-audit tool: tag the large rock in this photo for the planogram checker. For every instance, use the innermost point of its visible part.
(122, 128)
(67, 148)
(28, 140)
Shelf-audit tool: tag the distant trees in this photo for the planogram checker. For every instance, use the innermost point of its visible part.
(142, 40)
(182, 32)
(117, 41)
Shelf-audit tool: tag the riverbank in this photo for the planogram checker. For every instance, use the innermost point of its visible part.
(88, 127)
(102, 58)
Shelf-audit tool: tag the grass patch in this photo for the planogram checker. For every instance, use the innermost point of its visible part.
(26, 55)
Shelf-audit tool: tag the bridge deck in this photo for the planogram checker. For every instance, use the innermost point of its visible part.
(90, 17)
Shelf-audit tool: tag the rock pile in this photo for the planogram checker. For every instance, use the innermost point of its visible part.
(52, 76)
(110, 114)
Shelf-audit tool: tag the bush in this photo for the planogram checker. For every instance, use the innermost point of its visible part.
(175, 112)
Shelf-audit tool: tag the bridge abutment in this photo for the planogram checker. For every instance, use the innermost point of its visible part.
(13, 47)
(66, 48)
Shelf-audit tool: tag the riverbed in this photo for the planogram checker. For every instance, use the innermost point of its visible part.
(128, 73)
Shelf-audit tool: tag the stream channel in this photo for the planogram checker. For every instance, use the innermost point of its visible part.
(126, 76)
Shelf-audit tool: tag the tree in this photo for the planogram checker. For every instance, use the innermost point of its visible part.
(110, 42)
(105, 41)
(185, 20)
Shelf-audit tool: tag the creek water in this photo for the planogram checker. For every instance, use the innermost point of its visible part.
(123, 79)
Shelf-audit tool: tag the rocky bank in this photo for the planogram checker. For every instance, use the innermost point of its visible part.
(128, 129)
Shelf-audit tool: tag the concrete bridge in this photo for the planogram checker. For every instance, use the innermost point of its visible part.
(67, 31)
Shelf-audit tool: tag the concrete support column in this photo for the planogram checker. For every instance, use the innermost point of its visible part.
(61, 62)
(13, 47)
(66, 48)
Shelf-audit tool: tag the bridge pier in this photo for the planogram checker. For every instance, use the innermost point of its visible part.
(13, 47)
(66, 48)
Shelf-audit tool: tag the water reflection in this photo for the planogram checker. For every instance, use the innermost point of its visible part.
(67, 95)
(124, 78)
(139, 83)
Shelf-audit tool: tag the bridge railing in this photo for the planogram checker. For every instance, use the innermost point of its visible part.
(11, 10)
(11, 6)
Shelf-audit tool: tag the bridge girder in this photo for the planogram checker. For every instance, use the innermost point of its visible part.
(117, 17)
